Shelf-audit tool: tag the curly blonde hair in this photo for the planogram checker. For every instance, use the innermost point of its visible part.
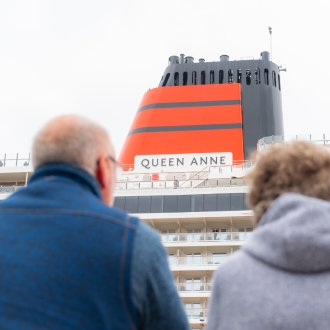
(300, 167)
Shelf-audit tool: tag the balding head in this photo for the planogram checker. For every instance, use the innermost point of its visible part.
(72, 139)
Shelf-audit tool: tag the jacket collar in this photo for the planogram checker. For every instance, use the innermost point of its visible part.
(68, 170)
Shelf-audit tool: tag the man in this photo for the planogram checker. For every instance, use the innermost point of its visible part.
(68, 260)
(281, 278)
(215, 231)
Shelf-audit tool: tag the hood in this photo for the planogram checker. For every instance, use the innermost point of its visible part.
(294, 234)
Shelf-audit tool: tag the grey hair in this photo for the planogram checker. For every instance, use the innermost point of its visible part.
(72, 139)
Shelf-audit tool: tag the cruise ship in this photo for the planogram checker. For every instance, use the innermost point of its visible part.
(186, 158)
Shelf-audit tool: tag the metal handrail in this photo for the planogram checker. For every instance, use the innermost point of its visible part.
(6, 160)
(236, 164)
(196, 260)
(10, 189)
(161, 184)
(193, 287)
(204, 237)
(192, 178)
(196, 312)
(277, 139)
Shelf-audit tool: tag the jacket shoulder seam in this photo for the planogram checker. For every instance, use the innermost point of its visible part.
(124, 223)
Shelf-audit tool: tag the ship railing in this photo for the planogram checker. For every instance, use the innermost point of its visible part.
(175, 184)
(195, 179)
(9, 189)
(210, 176)
(194, 287)
(196, 312)
(205, 237)
(266, 142)
(14, 159)
(237, 165)
(195, 260)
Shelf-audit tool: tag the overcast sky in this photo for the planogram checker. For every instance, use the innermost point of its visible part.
(97, 58)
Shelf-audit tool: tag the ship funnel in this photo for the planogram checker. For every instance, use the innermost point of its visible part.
(173, 60)
(224, 58)
(181, 58)
(265, 56)
(201, 60)
(189, 59)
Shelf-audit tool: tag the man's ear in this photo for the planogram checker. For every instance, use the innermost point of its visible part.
(103, 175)
(102, 171)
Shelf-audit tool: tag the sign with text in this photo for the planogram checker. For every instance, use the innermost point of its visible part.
(180, 162)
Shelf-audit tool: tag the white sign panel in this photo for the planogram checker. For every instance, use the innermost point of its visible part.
(180, 162)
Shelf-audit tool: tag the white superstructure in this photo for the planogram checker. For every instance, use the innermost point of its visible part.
(201, 217)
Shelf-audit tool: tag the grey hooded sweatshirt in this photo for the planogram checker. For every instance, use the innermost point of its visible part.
(281, 278)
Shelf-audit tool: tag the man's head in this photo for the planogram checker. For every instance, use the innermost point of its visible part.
(300, 167)
(77, 140)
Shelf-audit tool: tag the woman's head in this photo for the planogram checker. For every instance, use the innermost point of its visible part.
(300, 167)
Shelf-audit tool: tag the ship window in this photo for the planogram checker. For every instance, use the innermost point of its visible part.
(161, 80)
(194, 78)
(131, 204)
(176, 79)
(197, 203)
(237, 202)
(157, 204)
(266, 76)
(119, 203)
(239, 76)
(144, 204)
(274, 78)
(203, 77)
(217, 258)
(166, 79)
(230, 76)
(279, 82)
(223, 202)
(184, 203)
(257, 76)
(248, 77)
(170, 204)
(221, 77)
(212, 77)
(210, 202)
(185, 78)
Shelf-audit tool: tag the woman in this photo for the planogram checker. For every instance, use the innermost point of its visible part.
(281, 278)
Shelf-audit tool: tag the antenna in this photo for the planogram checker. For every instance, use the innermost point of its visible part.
(270, 34)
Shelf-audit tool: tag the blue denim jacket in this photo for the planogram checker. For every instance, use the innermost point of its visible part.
(68, 261)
